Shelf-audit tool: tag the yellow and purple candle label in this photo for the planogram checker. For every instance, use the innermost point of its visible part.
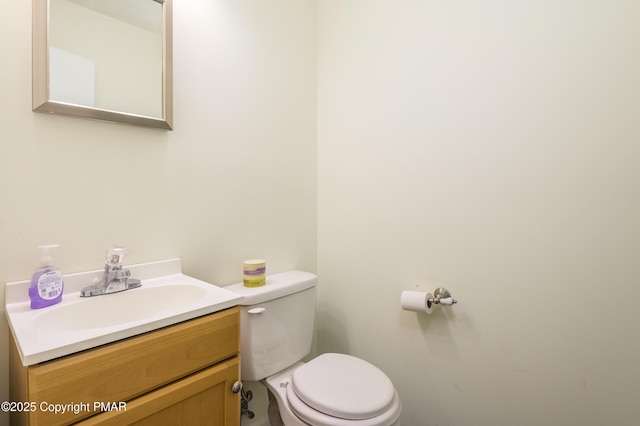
(254, 273)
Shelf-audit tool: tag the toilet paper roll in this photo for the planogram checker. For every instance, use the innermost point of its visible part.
(416, 301)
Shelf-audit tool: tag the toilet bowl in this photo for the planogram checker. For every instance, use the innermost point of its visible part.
(334, 390)
(276, 328)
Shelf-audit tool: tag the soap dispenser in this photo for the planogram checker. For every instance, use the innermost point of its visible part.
(46, 282)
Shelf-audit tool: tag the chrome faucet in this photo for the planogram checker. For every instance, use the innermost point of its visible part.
(115, 278)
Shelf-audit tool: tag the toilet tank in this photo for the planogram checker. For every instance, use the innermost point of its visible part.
(276, 322)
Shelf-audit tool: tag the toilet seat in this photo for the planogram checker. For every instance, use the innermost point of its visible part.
(338, 389)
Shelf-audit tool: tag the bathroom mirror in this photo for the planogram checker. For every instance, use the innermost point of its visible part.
(104, 59)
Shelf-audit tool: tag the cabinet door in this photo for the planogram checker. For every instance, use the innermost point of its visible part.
(204, 398)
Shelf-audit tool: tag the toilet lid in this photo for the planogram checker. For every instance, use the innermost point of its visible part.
(343, 386)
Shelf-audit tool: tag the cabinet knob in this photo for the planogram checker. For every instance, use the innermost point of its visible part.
(237, 387)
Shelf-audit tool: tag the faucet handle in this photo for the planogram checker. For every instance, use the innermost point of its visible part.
(115, 256)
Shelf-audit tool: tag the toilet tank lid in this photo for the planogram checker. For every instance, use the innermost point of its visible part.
(277, 285)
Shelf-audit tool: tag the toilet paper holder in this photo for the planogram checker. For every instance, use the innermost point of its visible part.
(421, 301)
(441, 296)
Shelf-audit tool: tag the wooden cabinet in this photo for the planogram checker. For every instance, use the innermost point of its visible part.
(180, 374)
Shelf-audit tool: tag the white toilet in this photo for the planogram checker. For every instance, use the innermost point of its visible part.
(276, 328)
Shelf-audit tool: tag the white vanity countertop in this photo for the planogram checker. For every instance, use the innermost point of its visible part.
(166, 297)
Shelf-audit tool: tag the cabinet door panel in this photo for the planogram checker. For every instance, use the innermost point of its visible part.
(204, 398)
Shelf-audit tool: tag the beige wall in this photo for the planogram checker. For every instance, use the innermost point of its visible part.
(236, 179)
(493, 148)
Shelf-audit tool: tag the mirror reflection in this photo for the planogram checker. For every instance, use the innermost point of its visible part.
(104, 59)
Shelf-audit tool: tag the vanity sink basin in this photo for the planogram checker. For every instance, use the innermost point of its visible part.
(125, 307)
(79, 323)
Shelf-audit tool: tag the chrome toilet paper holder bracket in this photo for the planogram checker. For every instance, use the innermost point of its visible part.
(421, 301)
(441, 296)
